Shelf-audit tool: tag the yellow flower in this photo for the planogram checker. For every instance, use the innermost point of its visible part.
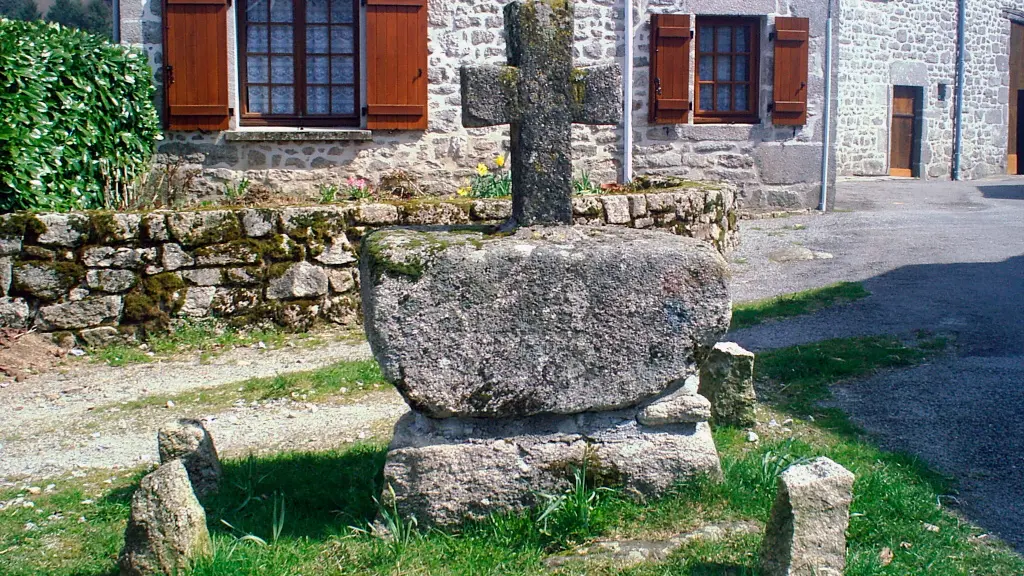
(500, 160)
(482, 170)
(464, 191)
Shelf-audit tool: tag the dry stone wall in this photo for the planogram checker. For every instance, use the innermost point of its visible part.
(109, 276)
(772, 167)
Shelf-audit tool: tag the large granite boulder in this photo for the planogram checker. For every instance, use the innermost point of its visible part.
(545, 320)
(445, 471)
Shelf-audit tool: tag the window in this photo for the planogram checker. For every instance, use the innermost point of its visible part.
(726, 83)
(299, 62)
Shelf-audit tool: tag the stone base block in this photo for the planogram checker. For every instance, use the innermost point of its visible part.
(455, 469)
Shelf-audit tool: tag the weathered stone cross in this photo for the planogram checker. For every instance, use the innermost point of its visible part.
(541, 95)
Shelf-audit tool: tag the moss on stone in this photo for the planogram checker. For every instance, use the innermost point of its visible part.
(18, 223)
(155, 300)
(409, 256)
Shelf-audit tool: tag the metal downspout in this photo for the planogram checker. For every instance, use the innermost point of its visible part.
(827, 125)
(958, 114)
(627, 96)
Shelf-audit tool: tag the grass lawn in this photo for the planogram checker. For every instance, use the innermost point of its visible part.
(328, 500)
(748, 314)
(349, 380)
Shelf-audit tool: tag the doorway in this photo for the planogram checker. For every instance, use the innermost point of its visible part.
(905, 135)
(1015, 153)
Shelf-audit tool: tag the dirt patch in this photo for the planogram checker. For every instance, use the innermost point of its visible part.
(26, 353)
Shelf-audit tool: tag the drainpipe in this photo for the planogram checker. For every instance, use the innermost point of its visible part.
(958, 113)
(827, 124)
(115, 8)
(627, 97)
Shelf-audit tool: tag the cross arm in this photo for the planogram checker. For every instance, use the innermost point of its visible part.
(597, 95)
(489, 95)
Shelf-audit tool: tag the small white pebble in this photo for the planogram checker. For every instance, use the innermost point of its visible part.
(752, 436)
(87, 502)
(35, 490)
(810, 418)
(170, 403)
(772, 423)
(28, 504)
(29, 526)
(81, 519)
(931, 527)
(787, 421)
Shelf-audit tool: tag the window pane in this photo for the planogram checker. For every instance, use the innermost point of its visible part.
(282, 70)
(724, 39)
(743, 38)
(707, 97)
(283, 100)
(740, 92)
(342, 70)
(723, 98)
(707, 67)
(341, 11)
(707, 39)
(258, 99)
(281, 39)
(256, 11)
(743, 67)
(280, 10)
(256, 38)
(318, 100)
(317, 71)
(343, 100)
(341, 40)
(724, 68)
(316, 40)
(316, 11)
(256, 69)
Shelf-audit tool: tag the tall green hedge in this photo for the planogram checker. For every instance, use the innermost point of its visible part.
(77, 120)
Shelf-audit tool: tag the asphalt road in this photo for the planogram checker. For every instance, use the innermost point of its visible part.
(937, 256)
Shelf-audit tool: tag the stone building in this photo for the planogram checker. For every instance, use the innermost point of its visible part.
(897, 66)
(376, 92)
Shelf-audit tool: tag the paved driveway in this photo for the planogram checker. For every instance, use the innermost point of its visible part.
(943, 257)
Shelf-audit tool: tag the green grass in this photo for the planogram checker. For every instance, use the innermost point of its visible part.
(209, 338)
(350, 379)
(329, 500)
(748, 314)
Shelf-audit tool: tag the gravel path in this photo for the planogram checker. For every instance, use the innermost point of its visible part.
(937, 256)
(53, 423)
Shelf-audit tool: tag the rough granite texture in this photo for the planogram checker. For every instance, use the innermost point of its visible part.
(549, 319)
(166, 530)
(189, 441)
(454, 469)
(806, 532)
(540, 95)
(109, 276)
(727, 380)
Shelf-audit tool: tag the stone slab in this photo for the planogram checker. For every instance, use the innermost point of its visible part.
(454, 469)
(547, 320)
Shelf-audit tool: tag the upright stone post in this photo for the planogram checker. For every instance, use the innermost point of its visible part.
(806, 534)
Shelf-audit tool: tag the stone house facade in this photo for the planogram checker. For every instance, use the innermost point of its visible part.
(772, 165)
(883, 48)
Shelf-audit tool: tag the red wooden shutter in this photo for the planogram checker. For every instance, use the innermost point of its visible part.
(196, 64)
(670, 69)
(396, 62)
(791, 43)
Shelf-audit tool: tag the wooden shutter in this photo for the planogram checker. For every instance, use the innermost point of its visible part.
(791, 44)
(196, 64)
(396, 62)
(670, 69)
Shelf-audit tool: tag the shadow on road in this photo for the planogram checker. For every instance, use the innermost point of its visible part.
(1003, 191)
(962, 412)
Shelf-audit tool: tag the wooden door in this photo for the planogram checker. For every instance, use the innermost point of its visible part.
(903, 137)
(1015, 164)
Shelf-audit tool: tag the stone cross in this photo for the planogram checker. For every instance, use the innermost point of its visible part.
(541, 96)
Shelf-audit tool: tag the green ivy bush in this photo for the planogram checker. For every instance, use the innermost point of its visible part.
(77, 120)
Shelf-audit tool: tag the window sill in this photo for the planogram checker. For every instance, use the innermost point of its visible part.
(297, 135)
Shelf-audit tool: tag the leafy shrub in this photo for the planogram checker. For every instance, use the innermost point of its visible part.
(77, 120)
